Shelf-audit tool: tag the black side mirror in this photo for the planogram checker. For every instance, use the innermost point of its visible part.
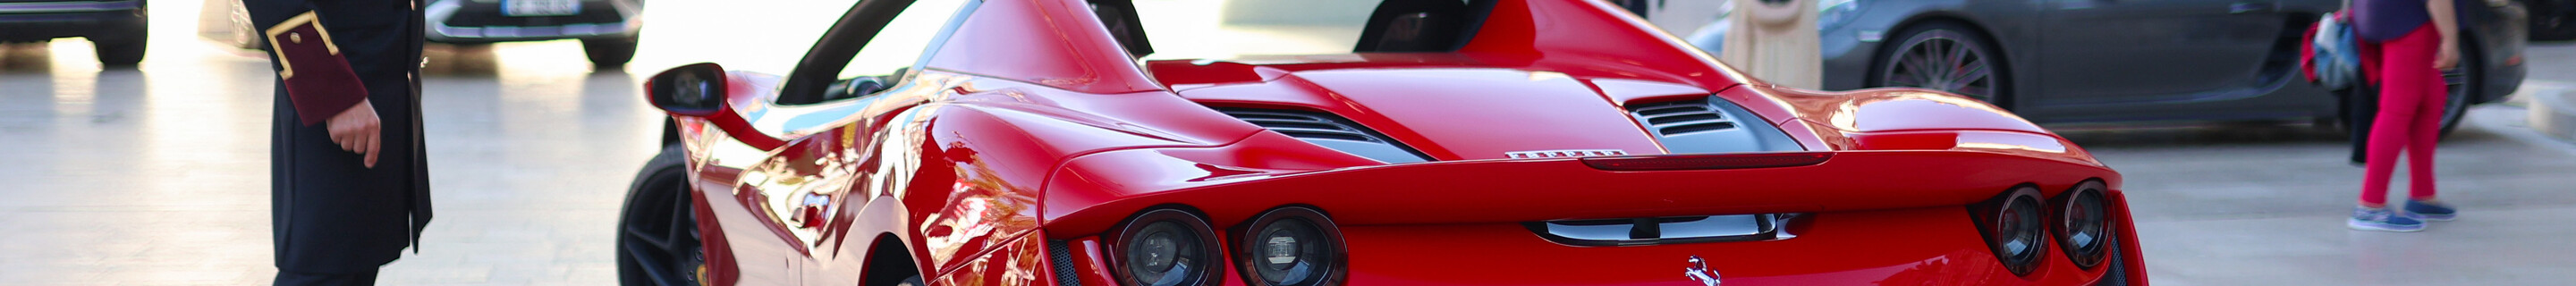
(693, 90)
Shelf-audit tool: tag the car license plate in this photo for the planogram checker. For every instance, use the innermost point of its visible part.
(536, 8)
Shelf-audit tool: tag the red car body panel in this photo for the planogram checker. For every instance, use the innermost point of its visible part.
(1031, 125)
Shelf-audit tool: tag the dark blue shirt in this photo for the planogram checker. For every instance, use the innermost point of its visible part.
(2385, 20)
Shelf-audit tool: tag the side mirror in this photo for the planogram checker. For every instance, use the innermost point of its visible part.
(692, 90)
(701, 90)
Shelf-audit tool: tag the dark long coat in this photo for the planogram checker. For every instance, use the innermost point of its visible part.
(331, 214)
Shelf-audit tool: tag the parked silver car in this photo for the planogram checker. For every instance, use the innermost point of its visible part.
(2092, 61)
(607, 28)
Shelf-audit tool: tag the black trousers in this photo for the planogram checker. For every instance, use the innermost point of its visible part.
(2360, 109)
(295, 278)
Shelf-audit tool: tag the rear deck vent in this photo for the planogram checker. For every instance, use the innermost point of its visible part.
(1680, 117)
(1710, 125)
(1328, 130)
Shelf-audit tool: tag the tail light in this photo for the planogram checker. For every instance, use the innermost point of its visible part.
(2083, 226)
(1165, 247)
(2014, 227)
(1290, 246)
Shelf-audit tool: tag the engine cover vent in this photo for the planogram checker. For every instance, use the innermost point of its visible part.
(1680, 117)
(1329, 131)
(1709, 125)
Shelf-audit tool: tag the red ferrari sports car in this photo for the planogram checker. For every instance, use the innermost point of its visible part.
(1427, 142)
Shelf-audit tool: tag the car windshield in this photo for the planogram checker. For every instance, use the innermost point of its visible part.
(1201, 29)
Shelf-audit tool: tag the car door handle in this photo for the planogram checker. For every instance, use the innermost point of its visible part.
(2251, 7)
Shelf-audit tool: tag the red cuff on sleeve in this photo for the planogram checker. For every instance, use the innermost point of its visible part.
(318, 80)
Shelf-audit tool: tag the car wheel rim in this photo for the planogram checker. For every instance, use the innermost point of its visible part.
(1943, 60)
(668, 252)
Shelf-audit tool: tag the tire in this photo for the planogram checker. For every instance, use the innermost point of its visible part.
(914, 281)
(125, 49)
(1980, 73)
(613, 52)
(244, 36)
(657, 235)
(2463, 87)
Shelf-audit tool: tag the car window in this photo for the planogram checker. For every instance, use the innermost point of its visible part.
(1194, 29)
(904, 40)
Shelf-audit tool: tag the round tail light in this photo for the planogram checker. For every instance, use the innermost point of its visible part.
(2014, 227)
(2083, 225)
(1166, 247)
(1291, 246)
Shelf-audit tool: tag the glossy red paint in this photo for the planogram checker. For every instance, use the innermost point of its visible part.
(1031, 126)
(1455, 114)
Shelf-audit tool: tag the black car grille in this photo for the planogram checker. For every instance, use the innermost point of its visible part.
(1709, 125)
(1062, 257)
(1329, 131)
(488, 14)
(1681, 117)
(1302, 124)
(1664, 230)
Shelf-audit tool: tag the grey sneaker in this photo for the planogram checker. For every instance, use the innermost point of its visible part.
(2420, 210)
(2381, 219)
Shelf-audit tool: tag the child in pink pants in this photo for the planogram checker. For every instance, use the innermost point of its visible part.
(2412, 97)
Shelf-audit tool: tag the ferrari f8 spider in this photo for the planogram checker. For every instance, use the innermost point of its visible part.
(1426, 142)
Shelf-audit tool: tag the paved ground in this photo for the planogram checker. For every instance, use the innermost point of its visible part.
(158, 176)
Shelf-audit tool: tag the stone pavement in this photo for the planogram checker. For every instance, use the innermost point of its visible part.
(160, 176)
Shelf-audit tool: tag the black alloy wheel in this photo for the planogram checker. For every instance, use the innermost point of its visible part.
(657, 234)
(610, 52)
(1946, 57)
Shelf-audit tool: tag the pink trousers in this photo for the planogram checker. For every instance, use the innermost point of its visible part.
(2411, 100)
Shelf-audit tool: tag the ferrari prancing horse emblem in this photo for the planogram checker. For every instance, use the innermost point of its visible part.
(1698, 271)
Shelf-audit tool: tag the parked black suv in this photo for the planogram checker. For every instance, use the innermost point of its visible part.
(117, 26)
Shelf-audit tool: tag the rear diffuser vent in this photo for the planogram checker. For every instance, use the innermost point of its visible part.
(1328, 130)
(1059, 253)
(1680, 117)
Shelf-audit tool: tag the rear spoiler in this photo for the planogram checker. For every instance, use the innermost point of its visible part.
(1095, 191)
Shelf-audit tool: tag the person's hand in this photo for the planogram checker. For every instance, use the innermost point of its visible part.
(2448, 55)
(358, 130)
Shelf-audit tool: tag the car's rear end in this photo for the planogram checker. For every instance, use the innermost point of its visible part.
(1544, 142)
(116, 26)
(1955, 217)
(477, 21)
(607, 28)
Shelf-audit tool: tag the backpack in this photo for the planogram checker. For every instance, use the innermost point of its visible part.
(2335, 60)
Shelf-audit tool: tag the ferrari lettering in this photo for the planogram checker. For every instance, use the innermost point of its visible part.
(1564, 153)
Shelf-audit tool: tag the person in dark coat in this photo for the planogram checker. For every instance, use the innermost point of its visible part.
(350, 183)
